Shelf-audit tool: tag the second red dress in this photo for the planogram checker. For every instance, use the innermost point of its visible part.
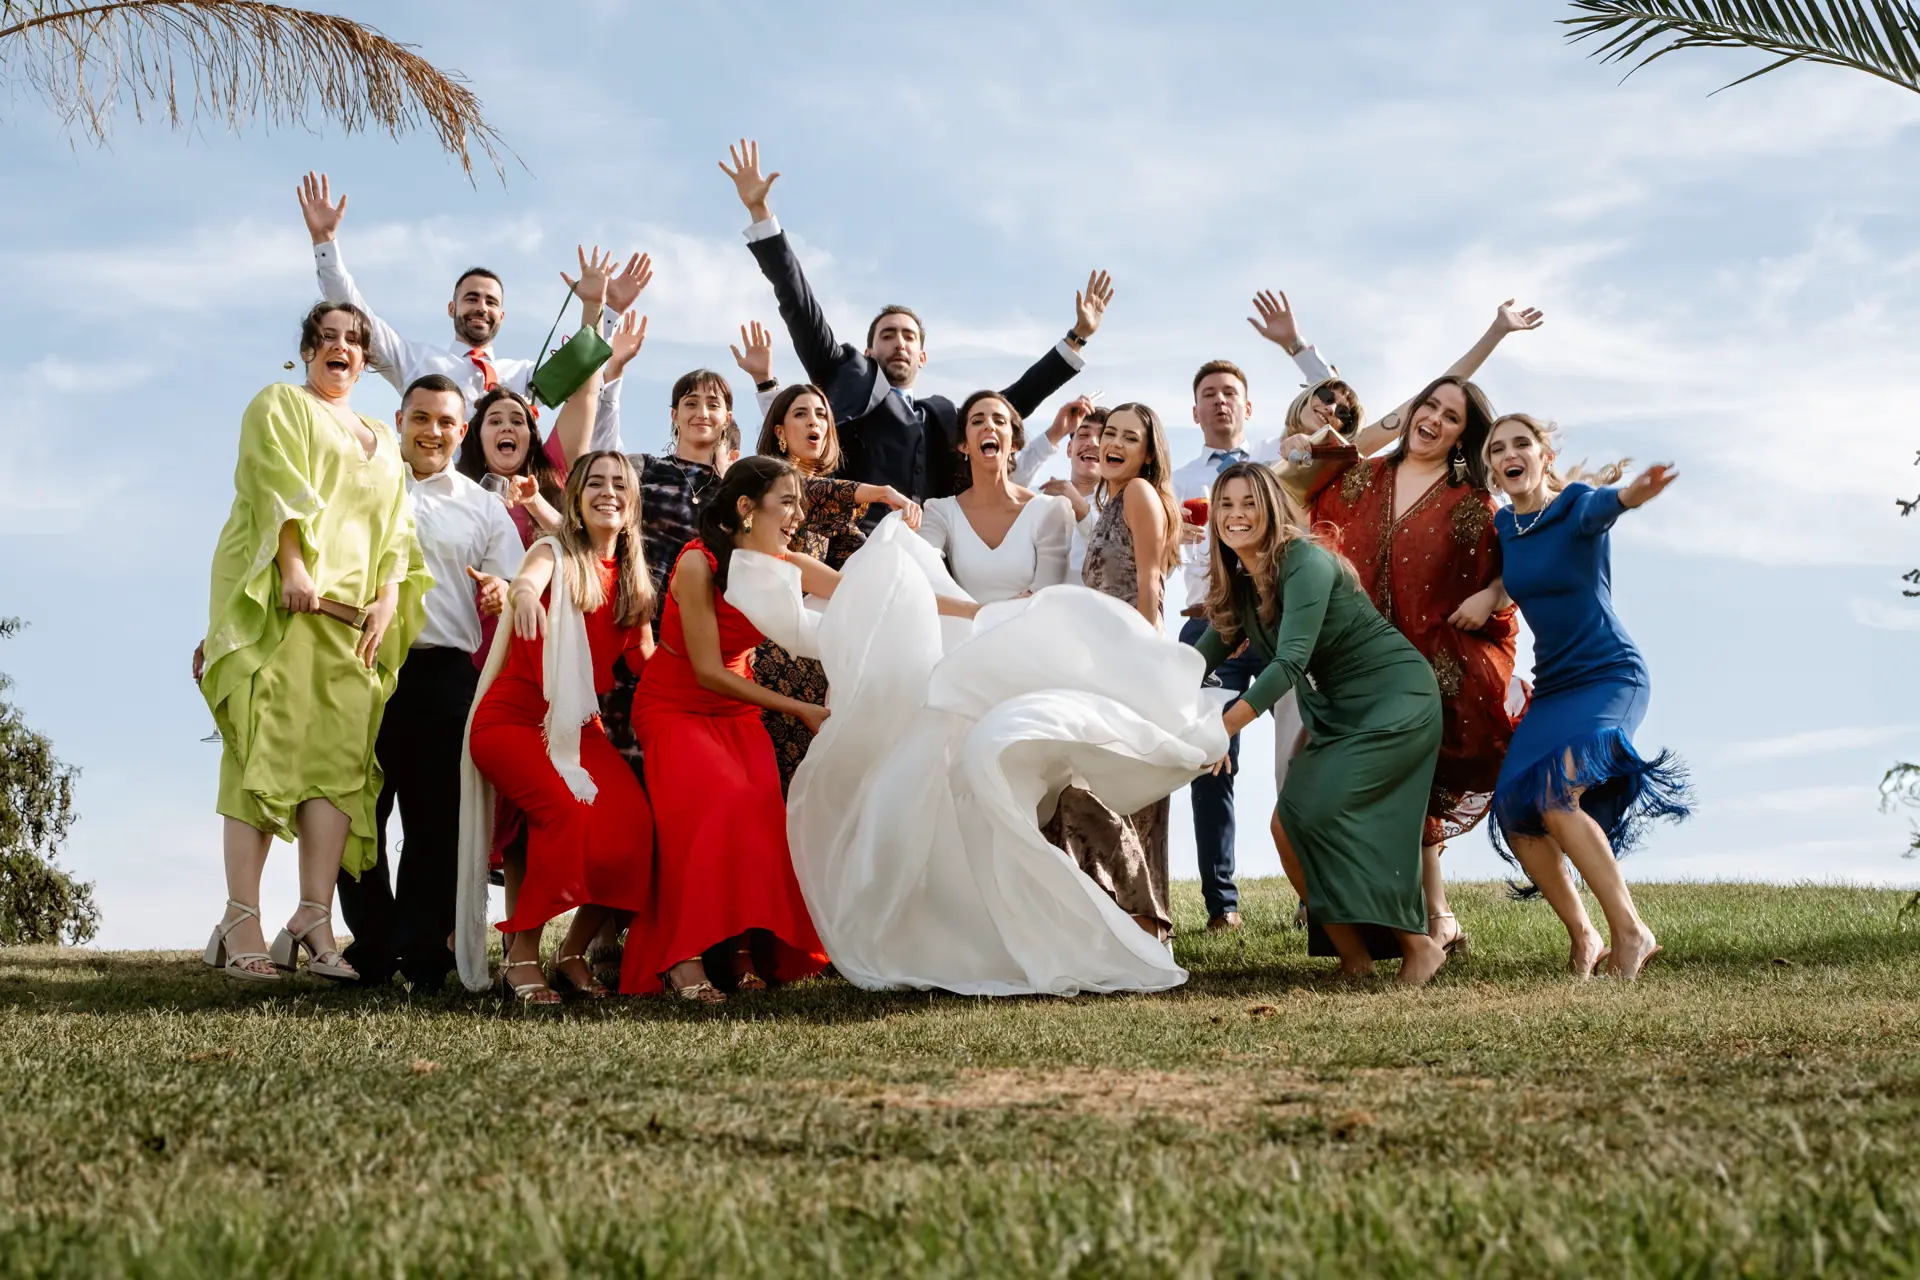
(577, 853)
(723, 865)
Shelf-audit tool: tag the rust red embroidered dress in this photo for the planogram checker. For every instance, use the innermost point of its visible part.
(723, 866)
(577, 853)
(1417, 570)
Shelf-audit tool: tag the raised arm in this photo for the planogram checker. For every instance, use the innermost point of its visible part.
(1055, 369)
(391, 353)
(1508, 319)
(821, 355)
(575, 427)
(1040, 449)
(622, 292)
(1278, 325)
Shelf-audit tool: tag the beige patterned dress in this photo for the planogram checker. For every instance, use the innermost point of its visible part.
(1124, 854)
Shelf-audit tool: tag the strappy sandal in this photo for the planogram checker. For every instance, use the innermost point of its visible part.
(605, 957)
(530, 993)
(1300, 916)
(1460, 944)
(239, 964)
(563, 982)
(745, 976)
(286, 949)
(701, 993)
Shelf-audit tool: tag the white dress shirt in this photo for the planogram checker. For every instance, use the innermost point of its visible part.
(459, 524)
(1195, 478)
(1032, 555)
(402, 360)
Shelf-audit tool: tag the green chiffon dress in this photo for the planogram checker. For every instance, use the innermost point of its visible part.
(1355, 799)
(297, 711)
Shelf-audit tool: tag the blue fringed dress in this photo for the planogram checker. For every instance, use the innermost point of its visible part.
(1590, 684)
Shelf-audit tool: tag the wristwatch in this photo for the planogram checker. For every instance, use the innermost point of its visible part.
(1074, 339)
(768, 385)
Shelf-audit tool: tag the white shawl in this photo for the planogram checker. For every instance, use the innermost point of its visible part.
(566, 679)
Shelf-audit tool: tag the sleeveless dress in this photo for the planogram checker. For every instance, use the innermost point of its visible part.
(1417, 569)
(722, 866)
(1356, 797)
(830, 534)
(578, 853)
(1590, 683)
(1125, 854)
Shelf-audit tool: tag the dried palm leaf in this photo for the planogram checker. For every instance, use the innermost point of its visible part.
(233, 59)
(1879, 37)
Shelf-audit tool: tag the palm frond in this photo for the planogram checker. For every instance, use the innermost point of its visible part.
(1879, 37)
(235, 60)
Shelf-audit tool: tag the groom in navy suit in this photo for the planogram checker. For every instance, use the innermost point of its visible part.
(889, 436)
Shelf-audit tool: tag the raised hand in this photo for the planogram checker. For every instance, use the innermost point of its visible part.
(1063, 489)
(1089, 307)
(1276, 323)
(520, 491)
(1649, 484)
(491, 593)
(323, 217)
(747, 181)
(625, 289)
(1069, 417)
(596, 272)
(626, 340)
(756, 360)
(1512, 319)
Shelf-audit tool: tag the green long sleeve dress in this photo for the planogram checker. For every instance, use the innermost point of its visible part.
(298, 713)
(1355, 799)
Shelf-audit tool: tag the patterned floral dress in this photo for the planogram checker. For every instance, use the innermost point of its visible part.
(1417, 569)
(830, 535)
(1125, 854)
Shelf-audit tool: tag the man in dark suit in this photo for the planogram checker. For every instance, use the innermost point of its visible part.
(889, 436)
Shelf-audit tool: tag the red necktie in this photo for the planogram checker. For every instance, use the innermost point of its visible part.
(489, 379)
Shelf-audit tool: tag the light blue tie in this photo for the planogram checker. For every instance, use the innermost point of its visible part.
(1224, 458)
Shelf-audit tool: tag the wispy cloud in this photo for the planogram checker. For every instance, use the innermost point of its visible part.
(1886, 615)
(1820, 741)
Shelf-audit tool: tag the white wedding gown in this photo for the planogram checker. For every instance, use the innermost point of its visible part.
(915, 819)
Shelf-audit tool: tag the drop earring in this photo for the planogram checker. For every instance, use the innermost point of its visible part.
(783, 446)
(1457, 464)
(746, 524)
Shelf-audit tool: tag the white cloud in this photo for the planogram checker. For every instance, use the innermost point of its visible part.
(1818, 741)
(1886, 615)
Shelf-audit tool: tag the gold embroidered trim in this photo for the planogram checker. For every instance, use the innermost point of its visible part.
(1447, 673)
(1471, 520)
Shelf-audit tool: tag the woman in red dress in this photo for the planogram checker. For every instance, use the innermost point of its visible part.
(580, 603)
(1417, 524)
(724, 878)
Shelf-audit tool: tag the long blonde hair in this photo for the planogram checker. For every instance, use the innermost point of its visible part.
(1226, 572)
(633, 586)
(1156, 471)
(1547, 435)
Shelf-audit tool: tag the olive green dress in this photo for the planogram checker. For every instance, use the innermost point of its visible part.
(1355, 799)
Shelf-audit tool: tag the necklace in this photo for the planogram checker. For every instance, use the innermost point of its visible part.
(1520, 530)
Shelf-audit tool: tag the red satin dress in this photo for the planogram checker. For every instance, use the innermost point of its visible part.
(723, 865)
(577, 853)
(1418, 568)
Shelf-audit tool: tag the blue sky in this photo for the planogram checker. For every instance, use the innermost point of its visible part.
(1732, 283)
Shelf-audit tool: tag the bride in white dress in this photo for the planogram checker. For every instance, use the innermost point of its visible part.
(915, 819)
(1000, 540)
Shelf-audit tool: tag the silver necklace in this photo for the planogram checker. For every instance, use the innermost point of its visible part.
(1520, 530)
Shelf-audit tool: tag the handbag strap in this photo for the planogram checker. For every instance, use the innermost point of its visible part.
(545, 350)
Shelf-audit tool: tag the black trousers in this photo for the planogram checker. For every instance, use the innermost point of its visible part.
(404, 926)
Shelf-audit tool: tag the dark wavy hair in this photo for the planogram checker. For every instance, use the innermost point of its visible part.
(472, 462)
(750, 478)
(1473, 436)
(769, 445)
(361, 335)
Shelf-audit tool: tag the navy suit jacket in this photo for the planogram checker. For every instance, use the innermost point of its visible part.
(881, 440)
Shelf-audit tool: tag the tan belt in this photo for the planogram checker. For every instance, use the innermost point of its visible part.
(352, 615)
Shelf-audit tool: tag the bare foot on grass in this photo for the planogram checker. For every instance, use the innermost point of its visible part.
(1422, 959)
(1588, 953)
(1631, 953)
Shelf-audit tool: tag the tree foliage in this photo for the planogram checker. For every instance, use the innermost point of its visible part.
(234, 60)
(39, 903)
(1878, 37)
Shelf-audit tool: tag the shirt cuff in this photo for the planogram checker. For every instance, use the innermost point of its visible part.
(765, 229)
(1311, 366)
(326, 253)
(1071, 356)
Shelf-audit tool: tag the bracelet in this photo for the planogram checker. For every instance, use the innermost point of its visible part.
(768, 385)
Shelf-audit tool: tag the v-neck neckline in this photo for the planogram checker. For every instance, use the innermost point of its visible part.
(1394, 521)
(1018, 517)
(366, 455)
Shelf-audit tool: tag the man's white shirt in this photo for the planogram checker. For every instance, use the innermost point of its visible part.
(401, 360)
(459, 524)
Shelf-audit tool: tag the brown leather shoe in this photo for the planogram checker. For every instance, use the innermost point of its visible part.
(1225, 922)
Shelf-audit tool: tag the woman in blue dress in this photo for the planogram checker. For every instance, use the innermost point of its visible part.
(1572, 783)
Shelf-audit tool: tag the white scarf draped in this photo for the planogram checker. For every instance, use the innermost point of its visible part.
(566, 680)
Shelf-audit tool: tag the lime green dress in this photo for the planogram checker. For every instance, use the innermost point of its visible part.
(1355, 799)
(297, 711)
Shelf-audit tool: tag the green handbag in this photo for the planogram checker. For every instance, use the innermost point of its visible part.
(561, 373)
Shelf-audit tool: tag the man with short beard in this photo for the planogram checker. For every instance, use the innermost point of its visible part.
(477, 310)
(471, 549)
(888, 436)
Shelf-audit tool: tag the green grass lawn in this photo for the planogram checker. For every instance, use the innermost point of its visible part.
(1751, 1107)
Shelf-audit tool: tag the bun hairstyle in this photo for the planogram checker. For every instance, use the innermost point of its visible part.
(769, 444)
(1547, 436)
(472, 462)
(750, 478)
(633, 598)
(963, 465)
(1471, 448)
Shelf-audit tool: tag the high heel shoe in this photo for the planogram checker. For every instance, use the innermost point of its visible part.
(563, 982)
(536, 992)
(285, 952)
(238, 964)
(1460, 944)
